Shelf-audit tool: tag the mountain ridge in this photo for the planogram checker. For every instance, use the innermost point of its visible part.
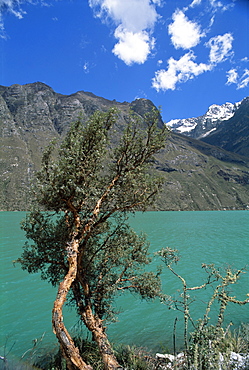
(196, 175)
(202, 126)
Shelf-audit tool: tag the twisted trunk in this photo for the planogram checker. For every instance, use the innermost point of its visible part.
(95, 326)
(70, 352)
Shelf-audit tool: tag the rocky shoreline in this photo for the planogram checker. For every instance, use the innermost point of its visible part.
(235, 361)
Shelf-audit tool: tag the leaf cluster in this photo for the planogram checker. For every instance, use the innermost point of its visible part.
(44, 250)
(75, 173)
(115, 261)
(86, 192)
(88, 163)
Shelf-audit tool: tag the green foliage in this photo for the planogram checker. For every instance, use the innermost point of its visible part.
(49, 234)
(212, 344)
(236, 340)
(114, 262)
(83, 170)
(79, 234)
(134, 358)
(130, 357)
(75, 174)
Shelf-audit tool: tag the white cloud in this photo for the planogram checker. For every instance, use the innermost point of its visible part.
(132, 47)
(245, 59)
(133, 15)
(184, 69)
(216, 4)
(179, 71)
(15, 7)
(184, 33)
(86, 67)
(232, 76)
(220, 48)
(244, 80)
(135, 20)
(195, 3)
(158, 2)
(12, 6)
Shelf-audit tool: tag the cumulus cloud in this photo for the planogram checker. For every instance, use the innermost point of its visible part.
(126, 13)
(220, 48)
(186, 68)
(132, 47)
(184, 33)
(187, 34)
(133, 32)
(179, 71)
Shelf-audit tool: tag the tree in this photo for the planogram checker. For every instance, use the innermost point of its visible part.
(78, 236)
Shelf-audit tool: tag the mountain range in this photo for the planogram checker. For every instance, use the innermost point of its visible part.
(223, 125)
(202, 126)
(207, 168)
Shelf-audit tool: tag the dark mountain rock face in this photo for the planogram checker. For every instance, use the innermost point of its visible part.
(196, 175)
(233, 134)
(37, 106)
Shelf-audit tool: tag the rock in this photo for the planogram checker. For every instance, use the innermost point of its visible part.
(168, 361)
(239, 361)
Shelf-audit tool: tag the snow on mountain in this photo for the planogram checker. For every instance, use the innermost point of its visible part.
(202, 126)
(182, 125)
(224, 111)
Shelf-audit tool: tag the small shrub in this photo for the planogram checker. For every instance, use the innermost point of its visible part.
(130, 357)
(211, 347)
(134, 358)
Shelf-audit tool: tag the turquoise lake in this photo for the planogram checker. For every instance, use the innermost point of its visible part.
(220, 237)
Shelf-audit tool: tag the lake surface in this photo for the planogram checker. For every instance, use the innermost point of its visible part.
(220, 237)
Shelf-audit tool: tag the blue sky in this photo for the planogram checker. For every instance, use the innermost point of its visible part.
(183, 55)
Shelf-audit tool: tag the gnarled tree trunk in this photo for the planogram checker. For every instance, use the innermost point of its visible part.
(70, 352)
(95, 325)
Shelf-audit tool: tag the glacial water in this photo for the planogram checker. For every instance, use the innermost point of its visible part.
(201, 237)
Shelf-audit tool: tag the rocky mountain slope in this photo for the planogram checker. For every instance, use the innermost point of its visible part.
(197, 175)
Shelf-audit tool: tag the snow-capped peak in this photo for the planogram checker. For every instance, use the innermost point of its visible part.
(220, 112)
(202, 126)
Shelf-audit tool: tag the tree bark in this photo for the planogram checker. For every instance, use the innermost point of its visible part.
(95, 326)
(70, 352)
